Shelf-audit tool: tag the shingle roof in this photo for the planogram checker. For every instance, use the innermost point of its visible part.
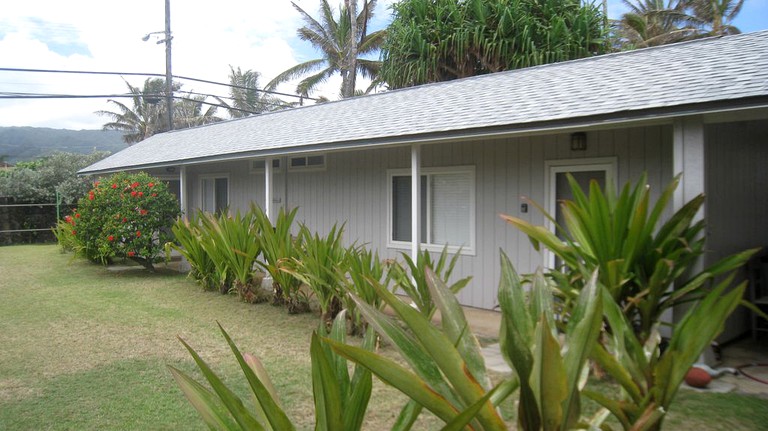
(726, 69)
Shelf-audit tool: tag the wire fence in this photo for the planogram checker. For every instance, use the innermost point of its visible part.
(28, 223)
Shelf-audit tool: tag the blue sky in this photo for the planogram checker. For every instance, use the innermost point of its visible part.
(207, 38)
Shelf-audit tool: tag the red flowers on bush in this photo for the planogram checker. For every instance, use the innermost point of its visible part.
(150, 185)
(134, 193)
(131, 253)
(110, 238)
(143, 212)
(138, 234)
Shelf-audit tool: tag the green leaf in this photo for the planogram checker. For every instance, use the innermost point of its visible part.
(263, 390)
(228, 398)
(210, 407)
(328, 409)
(548, 377)
(398, 377)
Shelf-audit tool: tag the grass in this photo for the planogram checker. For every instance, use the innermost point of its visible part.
(85, 348)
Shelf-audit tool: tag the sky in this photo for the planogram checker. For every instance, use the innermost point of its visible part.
(208, 37)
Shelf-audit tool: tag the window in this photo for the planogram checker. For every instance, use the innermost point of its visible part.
(214, 194)
(258, 166)
(448, 208)
(315, 162)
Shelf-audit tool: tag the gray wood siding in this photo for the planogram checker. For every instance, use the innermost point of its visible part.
(353, 189)
(737, 196)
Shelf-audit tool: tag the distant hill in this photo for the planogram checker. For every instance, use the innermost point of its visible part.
(29, 143)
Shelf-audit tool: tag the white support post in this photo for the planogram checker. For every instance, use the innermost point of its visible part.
(183, 191)
(268, 189)
(688, 159)
(416, 209)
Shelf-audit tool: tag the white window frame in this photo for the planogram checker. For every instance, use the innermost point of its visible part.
(466, 249)
(307, 168)
(214, 177)
(554, 167)
(255, 170)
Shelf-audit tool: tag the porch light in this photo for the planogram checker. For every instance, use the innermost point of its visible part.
(578, 141)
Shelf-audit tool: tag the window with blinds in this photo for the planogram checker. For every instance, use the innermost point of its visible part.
(447, 203)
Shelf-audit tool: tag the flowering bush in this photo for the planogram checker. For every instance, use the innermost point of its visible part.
(126, 215)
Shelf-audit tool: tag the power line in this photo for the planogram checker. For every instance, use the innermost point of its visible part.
(91, 72)
(11, 95)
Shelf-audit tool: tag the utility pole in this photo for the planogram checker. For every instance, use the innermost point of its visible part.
(168, 74)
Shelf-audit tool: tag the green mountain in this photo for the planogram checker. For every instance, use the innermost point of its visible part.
(29, 143)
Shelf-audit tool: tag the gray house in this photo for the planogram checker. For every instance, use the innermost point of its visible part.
(439, 162)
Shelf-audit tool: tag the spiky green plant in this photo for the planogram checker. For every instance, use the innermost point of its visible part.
(645, 266)
(188, 236)
(364, 270)
(447, 375)
(233, 244)
(279, 247)
(341, 399)
(414, 283)
(321, 264)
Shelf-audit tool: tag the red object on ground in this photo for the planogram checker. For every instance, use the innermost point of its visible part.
(697, 378)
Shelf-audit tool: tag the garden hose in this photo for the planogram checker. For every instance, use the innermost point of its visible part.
(757, 379)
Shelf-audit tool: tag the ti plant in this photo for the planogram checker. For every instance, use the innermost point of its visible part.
(641, 264)
(188, 235)
(278, 248)
(364, 270)
(447, 376)
(320, 263)
(233, 244)
(341, 399)
(414, 282)
(551, 373)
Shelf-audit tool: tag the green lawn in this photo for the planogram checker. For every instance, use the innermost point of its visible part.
(85, 348)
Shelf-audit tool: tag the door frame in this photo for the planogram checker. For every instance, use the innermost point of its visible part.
(553, 167)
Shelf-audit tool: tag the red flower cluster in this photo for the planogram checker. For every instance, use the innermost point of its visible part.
(143, 212)
(114, 186)
(131, 253)
(110, 238)
(133, 194)
(91, 196)
(138, 234)
(134, 185)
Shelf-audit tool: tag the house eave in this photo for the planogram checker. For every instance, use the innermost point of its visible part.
(662, 115)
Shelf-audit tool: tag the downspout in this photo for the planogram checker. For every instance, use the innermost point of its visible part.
(183, 191)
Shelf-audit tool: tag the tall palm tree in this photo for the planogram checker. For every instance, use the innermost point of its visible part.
(246, 97)
(655, 22)
(147, 115)
(716, 15)
(343, 42)
(188, 112)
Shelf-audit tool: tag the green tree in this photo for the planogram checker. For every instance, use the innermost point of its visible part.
(188, 112)
(246, 97)
(40, 180)
(653, 23)
(716, 16)
(441, 40)
(344, 44)
(144, 117)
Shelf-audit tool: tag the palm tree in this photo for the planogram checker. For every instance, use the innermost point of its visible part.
(247, 98)
(343, 42)
(188, 112)
(655, 22)
(147, 115)
(716, 15)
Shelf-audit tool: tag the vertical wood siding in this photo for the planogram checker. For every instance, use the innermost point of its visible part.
(353, 190)
(737, 196)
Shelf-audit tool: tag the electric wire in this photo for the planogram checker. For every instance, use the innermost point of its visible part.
(205, 81)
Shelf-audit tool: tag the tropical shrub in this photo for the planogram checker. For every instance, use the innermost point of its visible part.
(188, 235)
(645, 270)
(341, 399)
(65, 234)
(279, 247)
(321, 264)
(364, 271)
(232, 243)
(126, 216)
(414, 282)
